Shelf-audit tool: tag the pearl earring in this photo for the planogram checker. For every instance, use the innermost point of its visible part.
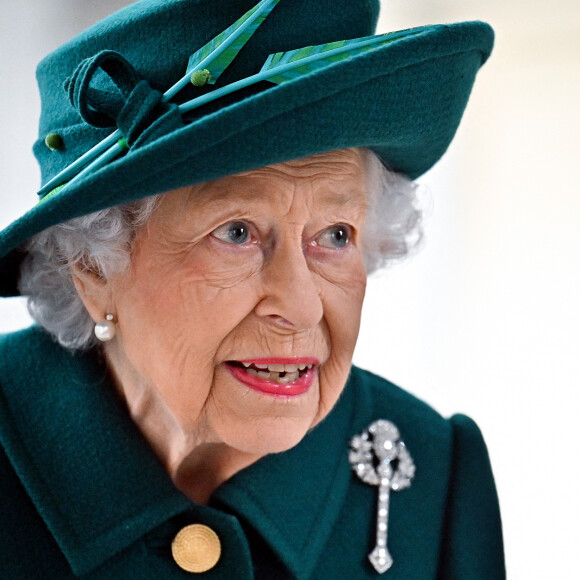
(105, 329)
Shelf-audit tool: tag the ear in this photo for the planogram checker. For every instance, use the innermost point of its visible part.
(93, 289)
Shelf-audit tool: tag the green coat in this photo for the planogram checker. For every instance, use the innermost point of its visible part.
(82, 494)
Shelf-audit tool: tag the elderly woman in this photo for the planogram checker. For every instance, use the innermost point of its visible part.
(197, 266)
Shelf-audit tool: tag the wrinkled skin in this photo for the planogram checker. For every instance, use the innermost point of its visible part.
(198, 294)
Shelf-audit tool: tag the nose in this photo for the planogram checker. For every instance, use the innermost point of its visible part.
(291, 296)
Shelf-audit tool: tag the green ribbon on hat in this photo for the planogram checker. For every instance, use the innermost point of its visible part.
(215, 57)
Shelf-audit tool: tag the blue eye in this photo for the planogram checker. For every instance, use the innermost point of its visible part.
(233, 233)
(337, 237)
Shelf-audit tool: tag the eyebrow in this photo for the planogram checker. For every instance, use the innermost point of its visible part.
(340, 199)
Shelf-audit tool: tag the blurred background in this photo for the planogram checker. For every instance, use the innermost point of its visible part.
(484, 319)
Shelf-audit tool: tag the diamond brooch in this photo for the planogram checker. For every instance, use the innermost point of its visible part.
(379, 457)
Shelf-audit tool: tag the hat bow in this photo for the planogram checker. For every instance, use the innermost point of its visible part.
(108, 91)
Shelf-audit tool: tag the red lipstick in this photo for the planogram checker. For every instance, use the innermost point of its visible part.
(279, 377)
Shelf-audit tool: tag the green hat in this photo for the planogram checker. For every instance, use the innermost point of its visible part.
(168, 93)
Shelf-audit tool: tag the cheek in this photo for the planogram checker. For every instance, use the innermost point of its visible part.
(342, 289)
(215, 305)
(223, 265)
(197, 288)
(174, 315)
(342, 306)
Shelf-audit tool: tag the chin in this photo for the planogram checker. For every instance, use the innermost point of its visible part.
(266, 436)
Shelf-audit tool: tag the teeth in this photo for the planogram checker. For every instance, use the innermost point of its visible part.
(272, 372)
(288, 378)
(278, 368)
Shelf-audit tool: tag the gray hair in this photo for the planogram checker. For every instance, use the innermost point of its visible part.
(102, 241)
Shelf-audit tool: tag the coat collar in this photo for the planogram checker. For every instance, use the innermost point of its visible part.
(84, 464)
(99, 487)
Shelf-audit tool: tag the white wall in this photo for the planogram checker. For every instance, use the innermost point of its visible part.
(484, 320)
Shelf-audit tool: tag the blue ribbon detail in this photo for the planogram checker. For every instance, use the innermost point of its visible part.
(107, 91)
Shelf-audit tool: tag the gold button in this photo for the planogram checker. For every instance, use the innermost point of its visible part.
(196, 548)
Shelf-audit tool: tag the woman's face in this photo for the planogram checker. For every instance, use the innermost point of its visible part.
(232, 281)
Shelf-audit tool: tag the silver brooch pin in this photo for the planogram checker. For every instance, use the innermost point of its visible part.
(379, 457)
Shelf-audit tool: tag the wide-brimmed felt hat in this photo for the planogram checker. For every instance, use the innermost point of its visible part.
(401, 96)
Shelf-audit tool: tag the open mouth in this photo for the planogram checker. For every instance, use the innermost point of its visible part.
(275, 378)
(278, 373)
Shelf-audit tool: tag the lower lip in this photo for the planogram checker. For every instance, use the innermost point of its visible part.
(294, 389)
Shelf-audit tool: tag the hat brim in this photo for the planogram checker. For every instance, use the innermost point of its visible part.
(403, 100)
